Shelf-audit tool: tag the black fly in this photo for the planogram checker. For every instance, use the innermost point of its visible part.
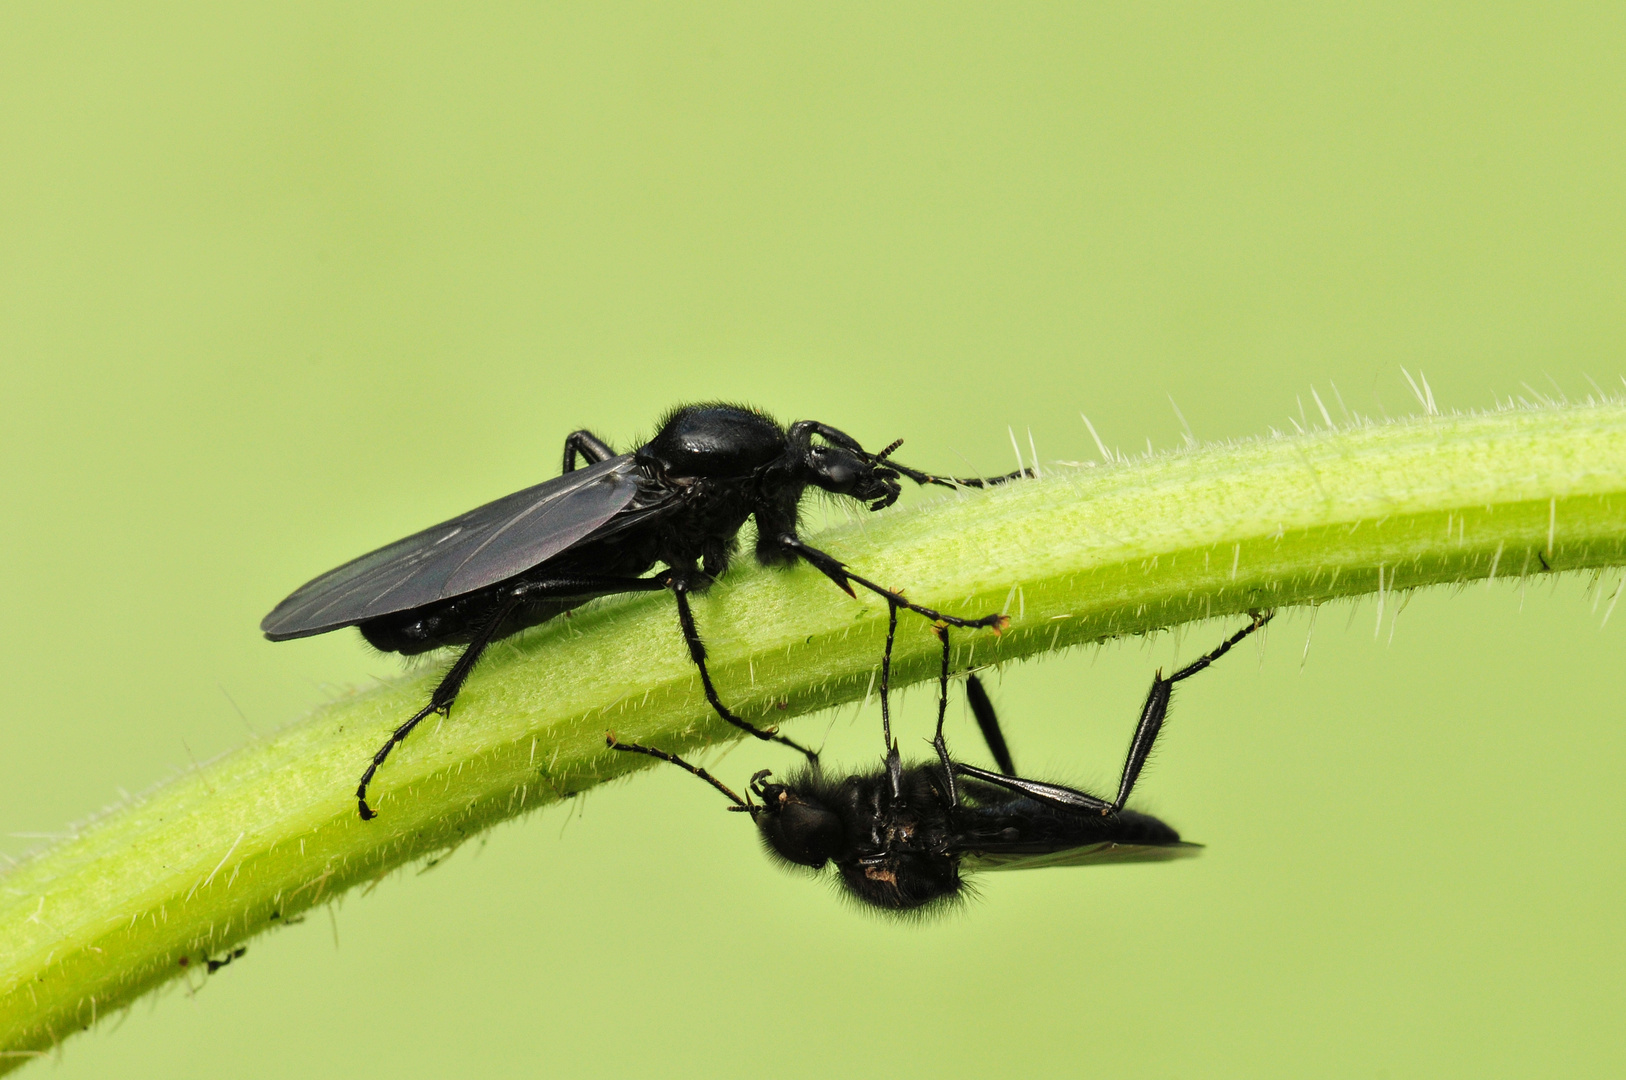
(680, 500)
(900, 837)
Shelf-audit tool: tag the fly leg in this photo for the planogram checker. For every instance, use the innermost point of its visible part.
(837, 571)
(988, 721)
(1156, 708)
(1151, 722)
(693, 770)
(894, 767)
(1037, 790)
(591, 448)
(942, 710)
(681, 588)
(894, 763)
(440, 701)
(886, 683)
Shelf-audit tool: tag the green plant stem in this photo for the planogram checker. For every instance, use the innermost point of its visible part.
(142, 895)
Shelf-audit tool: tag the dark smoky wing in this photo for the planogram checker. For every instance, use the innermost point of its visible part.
(1089, 855)
(486, 545)
(1004, 831)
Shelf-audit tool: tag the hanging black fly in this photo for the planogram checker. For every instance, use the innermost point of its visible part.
(901, 837)
(679, 500)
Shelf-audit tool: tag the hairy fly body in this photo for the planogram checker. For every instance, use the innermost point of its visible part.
(679, 501)
(901, 837)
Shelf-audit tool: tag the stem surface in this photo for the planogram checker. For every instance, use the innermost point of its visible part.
(149, 891)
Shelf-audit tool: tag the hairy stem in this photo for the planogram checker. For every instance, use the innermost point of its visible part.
(148, 892)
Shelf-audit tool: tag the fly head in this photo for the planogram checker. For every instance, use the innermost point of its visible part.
(892, 852)
(839, 465)
(796, 826)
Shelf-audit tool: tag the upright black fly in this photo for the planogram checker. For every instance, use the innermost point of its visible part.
(901, 837)
(678, 500)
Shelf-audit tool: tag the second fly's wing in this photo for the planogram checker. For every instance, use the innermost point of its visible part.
(482, 547)
(1004, 830)
(1089, 855)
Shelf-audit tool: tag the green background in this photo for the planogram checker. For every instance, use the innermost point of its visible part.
(281, 283)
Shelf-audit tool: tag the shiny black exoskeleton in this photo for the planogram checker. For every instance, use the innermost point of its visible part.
(678, 500)
(695, 484)
(899, 838)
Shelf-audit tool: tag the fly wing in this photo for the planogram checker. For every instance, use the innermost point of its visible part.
(1005, 830)
(482, 547)
(1089, 855)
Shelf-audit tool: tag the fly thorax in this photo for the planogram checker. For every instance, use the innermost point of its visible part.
(902, 879)
(716, 441)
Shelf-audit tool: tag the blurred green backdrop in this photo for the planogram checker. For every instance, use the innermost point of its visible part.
(279, 283)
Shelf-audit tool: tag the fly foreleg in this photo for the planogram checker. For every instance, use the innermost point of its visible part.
(842, 575)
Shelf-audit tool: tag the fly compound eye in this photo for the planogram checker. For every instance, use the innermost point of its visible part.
(839, 471)
(803, 834)
(841, 475)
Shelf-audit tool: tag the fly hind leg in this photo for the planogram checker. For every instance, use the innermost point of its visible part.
(1152, 716)
(439, 702)
(1156, 708)
(988, 722)
(446, 691)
